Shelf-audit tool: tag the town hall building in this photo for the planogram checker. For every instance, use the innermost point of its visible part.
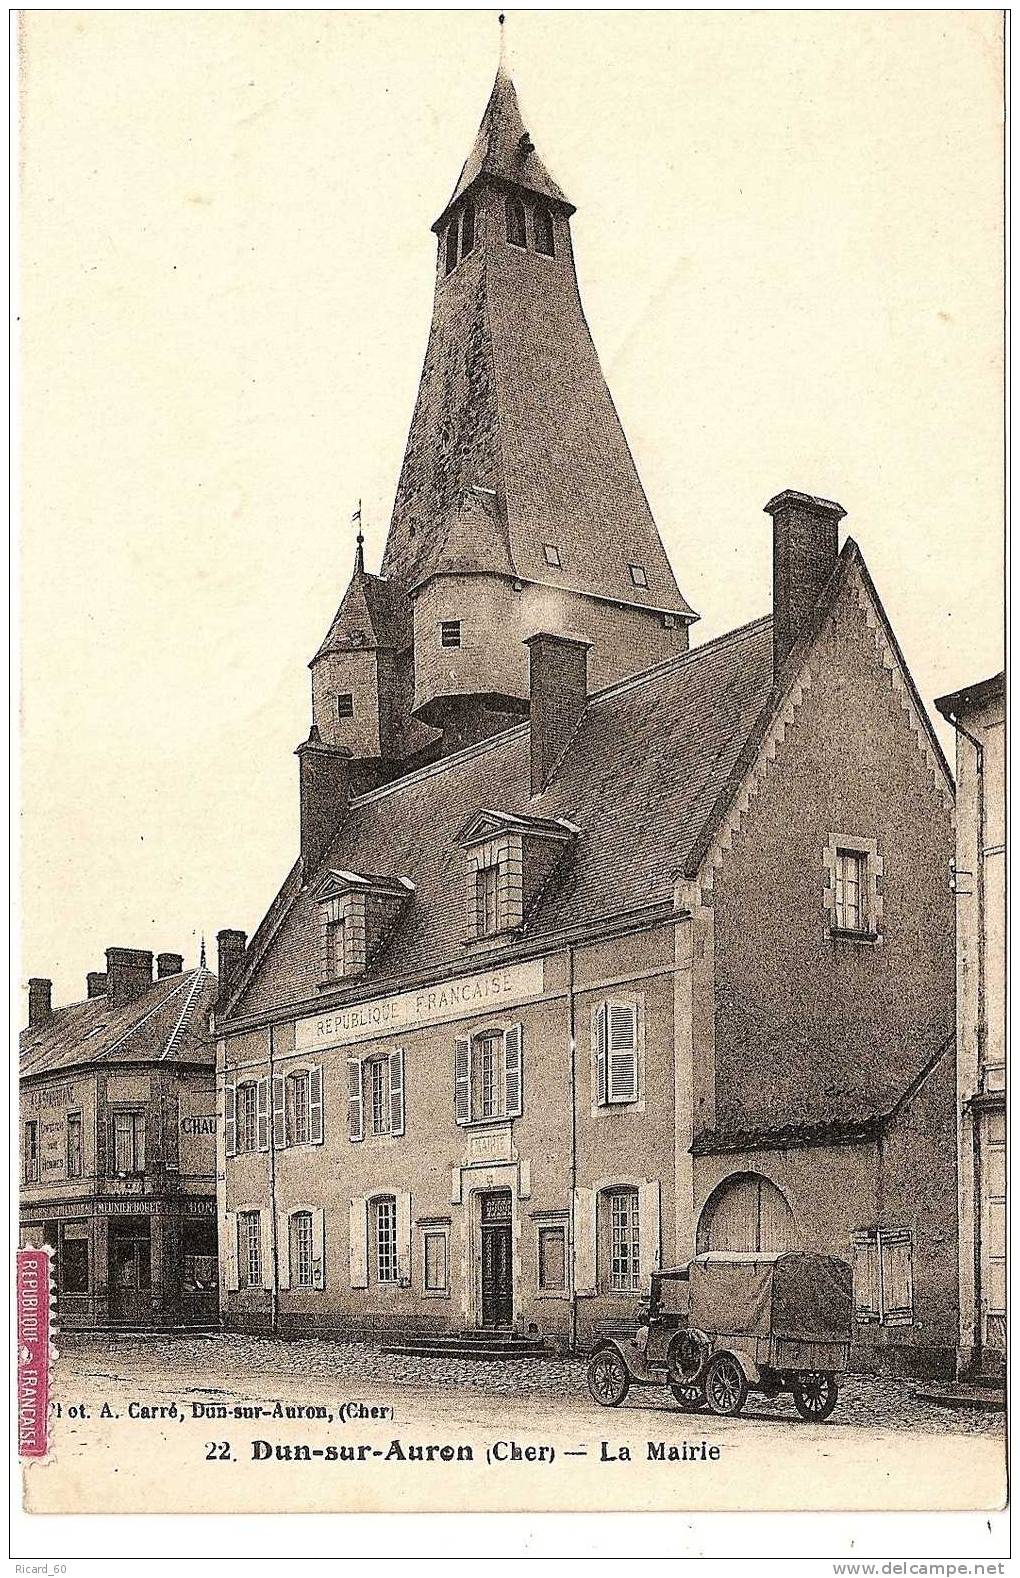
(601, 948)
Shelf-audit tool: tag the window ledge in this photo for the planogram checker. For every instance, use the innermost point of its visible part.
(868, 939)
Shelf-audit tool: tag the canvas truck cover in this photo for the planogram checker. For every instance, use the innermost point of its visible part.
(801, 1296)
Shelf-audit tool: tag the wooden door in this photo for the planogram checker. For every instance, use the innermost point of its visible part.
(497, 1260)
(130, 1275)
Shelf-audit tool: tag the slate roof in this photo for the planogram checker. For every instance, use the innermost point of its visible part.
(373, 613)
(168, 1023)
(972, 697)
(647, 765)
(502, 148)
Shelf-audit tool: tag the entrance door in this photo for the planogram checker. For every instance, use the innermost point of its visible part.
(497, 1259)
(992, 1228)
(130, 1273)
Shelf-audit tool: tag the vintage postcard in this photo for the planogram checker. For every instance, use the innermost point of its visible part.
(512, 974)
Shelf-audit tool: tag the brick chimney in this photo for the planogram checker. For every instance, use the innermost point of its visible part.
(805, 546)
(325, 775)
(559, 695)
(95, 983)
(40, 1001)
(128, 974)
(230, 946)
(168, 964)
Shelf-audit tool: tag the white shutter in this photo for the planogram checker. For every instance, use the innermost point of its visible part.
(649, 1229)
(266, 1226)
(601, 1055)
(897, 1278)
(228, 1249)
(230, 1120)
(315, 1123)
(262, 1140)
(397, 1091)
(513, 1066)
(622, 1052)
(319, 1249)
(355, 1100)
(359, 1242)
(867, 1299)
(283, 1249)
(403, 1237)
(462, 1079)
(279, 1112)
(585, 1229)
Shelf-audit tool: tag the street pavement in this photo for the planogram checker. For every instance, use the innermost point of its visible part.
(535, 1439)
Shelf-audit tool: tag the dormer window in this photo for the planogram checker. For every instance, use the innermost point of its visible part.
(510, 861)
(451, 246)
(544, 236)
(552, 555)
(467, 230)
(449, 633)
(638, 575)
(516, 223)
(358, 914)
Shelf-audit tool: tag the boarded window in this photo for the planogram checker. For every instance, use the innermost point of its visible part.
(552, 1259)
(435, 1258)
(883, 1267)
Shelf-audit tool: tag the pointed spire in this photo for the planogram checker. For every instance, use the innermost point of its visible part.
(359, 552)
(201, 956)
(505, 149)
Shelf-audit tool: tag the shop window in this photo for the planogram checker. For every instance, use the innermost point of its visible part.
(128, 1149)
(249, 1249)
(73, 1257)
(435, 1258)
(552, 1259)
(301, 1253)
(30, 1157)
(883, 1270)
(516, 224)
(74, 1145)
(616, 1054)
(544, 234)
(384, 1233)
(619, 1231)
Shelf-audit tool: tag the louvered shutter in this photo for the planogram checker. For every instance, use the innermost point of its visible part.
(228, 1252)
(867, 1299)
(897, 1278)
(601, 1054)
(403, 1237)
(315, 1123)
(513, 1064)
(397, 1091)
(584, 1237)
(283, 1249)
(622, 1052)
(355, 1100)
(462, 1079)
(319, 1247)
(359, 1242)
(263, 1115)
(230, 1120)
(279, 1111)
(649, 1230)
(266, 1227)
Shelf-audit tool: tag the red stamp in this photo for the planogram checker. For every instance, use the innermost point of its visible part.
(33, 1290)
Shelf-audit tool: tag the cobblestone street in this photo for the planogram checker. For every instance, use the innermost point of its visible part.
(243, 1364)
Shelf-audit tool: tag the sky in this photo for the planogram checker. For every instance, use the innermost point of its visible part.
(789, 244)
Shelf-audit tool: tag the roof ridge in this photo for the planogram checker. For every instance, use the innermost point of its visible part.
(138, 1023)
(678, 659)
(196, 983)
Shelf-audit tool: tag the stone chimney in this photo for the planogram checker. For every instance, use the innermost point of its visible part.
(128, 974)
(230, 946)
(325, 774)
(95, 983)
(559, 695)
(168, 964)
(805, 547)
(40, 1001)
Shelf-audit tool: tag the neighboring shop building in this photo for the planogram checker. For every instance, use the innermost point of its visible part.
(978, 714)
(544, 987)
(118, 1146)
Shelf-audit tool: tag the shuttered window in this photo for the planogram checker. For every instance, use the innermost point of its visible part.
(376, 1092)
(616, 1053)
(884, 1276)
(489, 1075)
(384, 1221)
(249, 1249)
(301, 1250)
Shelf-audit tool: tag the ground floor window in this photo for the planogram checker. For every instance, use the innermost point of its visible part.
(384, 1223)
(249, 1249)
(884, 1276)
(199, 1268)
(619, 1240)
(435, 1256)
(301, 1274)
(552, 1258)
(73, 1258)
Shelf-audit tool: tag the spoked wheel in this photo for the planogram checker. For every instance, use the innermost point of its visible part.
(608, 1378)
(690, 1398)
(725, 1385)
(814, 1394)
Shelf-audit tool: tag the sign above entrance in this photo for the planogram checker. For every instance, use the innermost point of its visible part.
(493, 991)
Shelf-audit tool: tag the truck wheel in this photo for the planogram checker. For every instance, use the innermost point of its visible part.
(608, 1378)
(690, 1398)
(814, 1394)
(725, 1385)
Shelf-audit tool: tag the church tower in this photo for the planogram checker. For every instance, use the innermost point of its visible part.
(519, 508)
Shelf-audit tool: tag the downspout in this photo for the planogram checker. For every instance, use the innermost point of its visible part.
(274, 1316)
(571, 1030)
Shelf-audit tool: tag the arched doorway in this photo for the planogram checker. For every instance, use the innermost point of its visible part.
(747, 1213)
